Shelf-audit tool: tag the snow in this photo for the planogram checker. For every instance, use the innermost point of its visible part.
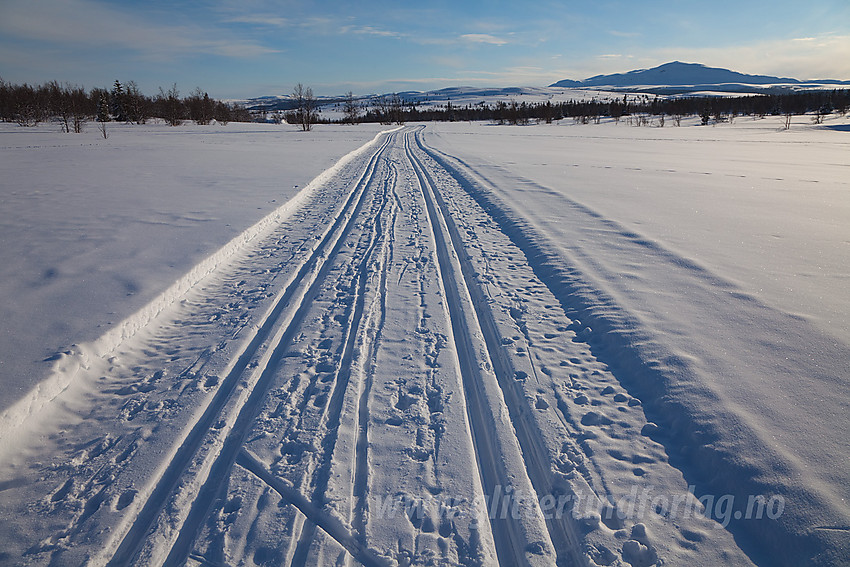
(764, 208)
(718, 258)
(94, 229)
(455, 344)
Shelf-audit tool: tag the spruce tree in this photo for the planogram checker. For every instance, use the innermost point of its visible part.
(116, 102)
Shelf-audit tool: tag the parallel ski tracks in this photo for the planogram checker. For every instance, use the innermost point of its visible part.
(504, 455)
(373, 330)
(534, 456)
(331, 417)
(272, 337)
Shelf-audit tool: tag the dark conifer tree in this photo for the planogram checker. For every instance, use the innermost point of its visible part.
(117, 101)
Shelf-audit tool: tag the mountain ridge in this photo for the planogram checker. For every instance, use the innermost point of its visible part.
(679, 74)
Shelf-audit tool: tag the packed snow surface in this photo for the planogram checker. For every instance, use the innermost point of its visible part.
(459, 344)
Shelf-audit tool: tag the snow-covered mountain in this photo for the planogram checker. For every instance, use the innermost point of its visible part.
(678, 74)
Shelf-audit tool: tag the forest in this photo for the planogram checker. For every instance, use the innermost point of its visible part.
(73, 106)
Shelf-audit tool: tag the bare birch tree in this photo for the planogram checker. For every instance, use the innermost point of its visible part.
(307, 111)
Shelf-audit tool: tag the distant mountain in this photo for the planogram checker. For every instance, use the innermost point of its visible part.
(456, 95)
(678, 74)
(670, 79)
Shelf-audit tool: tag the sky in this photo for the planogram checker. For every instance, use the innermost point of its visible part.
(237, 49)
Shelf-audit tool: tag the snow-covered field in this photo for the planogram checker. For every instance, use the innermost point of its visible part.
(462, 344)
(92, 230)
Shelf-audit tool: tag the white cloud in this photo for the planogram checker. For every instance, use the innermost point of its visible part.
(617, 33)
(84, 23)
(483, 38)
(369, 30)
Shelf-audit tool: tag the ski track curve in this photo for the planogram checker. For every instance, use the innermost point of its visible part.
(379, 376)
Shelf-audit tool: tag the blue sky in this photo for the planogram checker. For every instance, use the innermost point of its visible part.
(243, 48)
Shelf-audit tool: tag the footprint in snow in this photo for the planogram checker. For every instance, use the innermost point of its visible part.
(595, 418)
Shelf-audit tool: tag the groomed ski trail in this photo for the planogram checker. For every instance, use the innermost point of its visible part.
(368, 379)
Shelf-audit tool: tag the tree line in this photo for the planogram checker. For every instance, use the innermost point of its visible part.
(72, 106)
(638, 109)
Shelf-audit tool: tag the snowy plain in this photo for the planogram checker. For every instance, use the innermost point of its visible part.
(620, 316)
(92, 229)
(719, 258)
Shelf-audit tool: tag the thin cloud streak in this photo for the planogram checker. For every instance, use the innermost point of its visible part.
(269, 20)
(624, 34)
(483, 38)
(369, 30)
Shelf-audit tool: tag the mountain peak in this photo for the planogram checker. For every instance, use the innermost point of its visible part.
(675, 73)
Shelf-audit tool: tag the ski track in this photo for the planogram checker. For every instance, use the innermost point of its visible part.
(312, 275)
(710, 457)
(367, 381)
